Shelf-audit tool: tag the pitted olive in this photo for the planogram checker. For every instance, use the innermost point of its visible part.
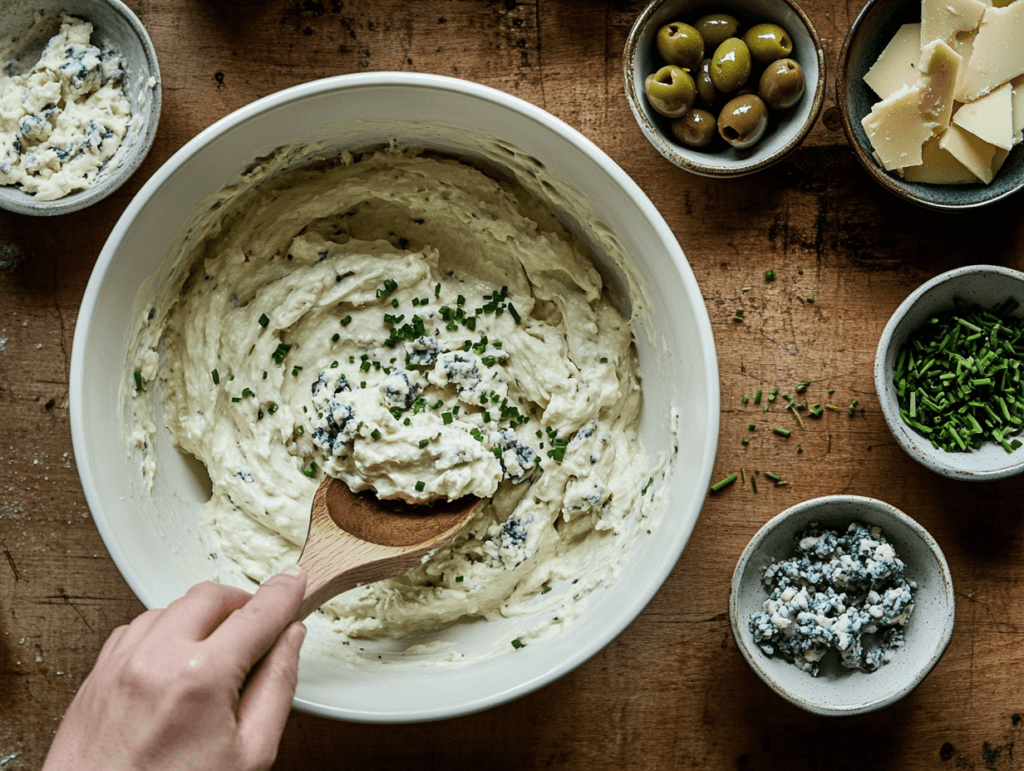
(743, 120)
(730, 66)
(671, 91)
(681, 45)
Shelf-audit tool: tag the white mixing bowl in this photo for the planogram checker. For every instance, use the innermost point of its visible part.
(155, 538)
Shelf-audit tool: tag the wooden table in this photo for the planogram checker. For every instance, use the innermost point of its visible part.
(672, 691)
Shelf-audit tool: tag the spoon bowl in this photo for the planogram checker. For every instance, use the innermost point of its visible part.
(356, 538)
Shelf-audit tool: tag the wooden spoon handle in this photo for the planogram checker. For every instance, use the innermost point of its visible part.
(336, 561)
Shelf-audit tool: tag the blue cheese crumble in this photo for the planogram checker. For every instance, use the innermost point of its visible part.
(847, 593)
(62, 122)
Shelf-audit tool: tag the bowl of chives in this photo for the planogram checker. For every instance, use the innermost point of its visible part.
(949, 372)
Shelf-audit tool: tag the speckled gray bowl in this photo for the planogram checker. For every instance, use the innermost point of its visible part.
(786, 129)
(838, 691)
(115, 28)
(868, 36)
(987, 286)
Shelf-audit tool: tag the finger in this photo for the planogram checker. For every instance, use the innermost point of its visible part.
(267, 697)
(250, 631)
(203, 608)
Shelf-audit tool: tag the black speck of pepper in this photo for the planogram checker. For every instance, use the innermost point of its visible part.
(308, 31)
(219, 77)
(510, 5)
(1016, 718)
(946, 751)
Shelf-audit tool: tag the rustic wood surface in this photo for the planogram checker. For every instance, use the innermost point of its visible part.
(672, 691)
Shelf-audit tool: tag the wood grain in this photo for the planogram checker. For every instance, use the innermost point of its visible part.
(672, 691)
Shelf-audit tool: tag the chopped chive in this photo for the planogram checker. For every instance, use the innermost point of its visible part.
(311, 469)
(138, 380)
(517, 643)
(781, 431)
(216, 377)
(757, 396)
(376, 433)
(264, 320)
(751, 426)
(801, 387)
(722, 484)
(419, 488)
(769, 275)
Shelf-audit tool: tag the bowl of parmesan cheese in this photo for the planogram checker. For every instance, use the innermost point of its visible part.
(79, 102)
(932, 99)
(426, 288)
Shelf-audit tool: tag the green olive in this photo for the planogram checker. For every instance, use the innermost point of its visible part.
(695, 129)
(743, 120)
(671, 91)
(782, 84)
(681, 45)
(709, 96)
(730, 66)
(768, 42)
(716, 28)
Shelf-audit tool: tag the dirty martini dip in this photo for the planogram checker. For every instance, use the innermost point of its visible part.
(412, 326)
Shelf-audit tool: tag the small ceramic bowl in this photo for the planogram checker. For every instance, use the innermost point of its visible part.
(786, 129)
(836, 690)
(27, 25)
(868, 36)
(985, 285)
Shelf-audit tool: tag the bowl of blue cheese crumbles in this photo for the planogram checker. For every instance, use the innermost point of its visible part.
(79, 102)
(842, 604)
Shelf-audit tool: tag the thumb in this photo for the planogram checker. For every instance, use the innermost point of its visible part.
(267, 696)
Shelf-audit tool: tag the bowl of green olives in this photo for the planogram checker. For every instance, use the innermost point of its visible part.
(724, 88)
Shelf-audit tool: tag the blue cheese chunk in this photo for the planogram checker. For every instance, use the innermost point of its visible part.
(843, 592)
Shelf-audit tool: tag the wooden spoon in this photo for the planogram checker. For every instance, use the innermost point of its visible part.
(356, 538)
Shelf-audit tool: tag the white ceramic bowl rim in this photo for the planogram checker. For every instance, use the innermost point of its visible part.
(757, 659)
(616, 176)
(945, 463)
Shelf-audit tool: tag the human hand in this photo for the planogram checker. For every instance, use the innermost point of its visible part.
(205, 683)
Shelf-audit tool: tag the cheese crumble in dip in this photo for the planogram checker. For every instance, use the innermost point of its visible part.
(844, 592)
(410, 325)
(63, 121)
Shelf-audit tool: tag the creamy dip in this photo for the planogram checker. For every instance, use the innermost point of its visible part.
(409, 324)
(63, 121)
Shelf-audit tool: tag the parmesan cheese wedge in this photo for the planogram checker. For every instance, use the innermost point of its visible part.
(1018, 109)
(896, 68)
(897, 130)
(976, 154)
(943, 19)
(990, 118)
(997, 160)
(998, 54)
(940, 66)
(939, 167)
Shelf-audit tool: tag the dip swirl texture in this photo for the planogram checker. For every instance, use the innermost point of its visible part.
(409, 324)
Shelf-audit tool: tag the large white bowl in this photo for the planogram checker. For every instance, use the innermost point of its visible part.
(155, 538)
